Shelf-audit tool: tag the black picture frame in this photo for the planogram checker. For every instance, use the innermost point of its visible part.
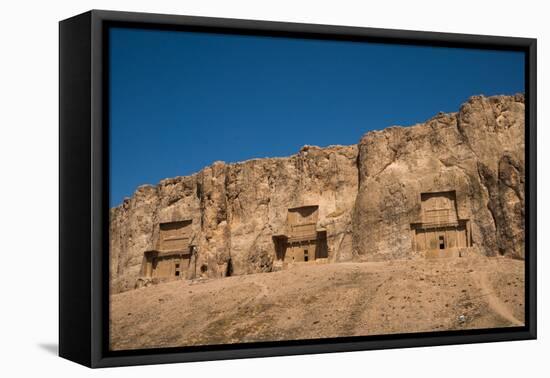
(84, 188)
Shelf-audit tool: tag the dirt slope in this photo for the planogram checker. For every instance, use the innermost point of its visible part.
(319, 301)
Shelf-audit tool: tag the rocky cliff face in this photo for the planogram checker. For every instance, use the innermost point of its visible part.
(477, 152)
(236, 209)
(368, 195)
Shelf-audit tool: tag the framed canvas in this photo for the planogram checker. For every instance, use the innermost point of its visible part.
(235, 188)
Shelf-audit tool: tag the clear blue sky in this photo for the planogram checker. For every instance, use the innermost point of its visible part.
(180, 101)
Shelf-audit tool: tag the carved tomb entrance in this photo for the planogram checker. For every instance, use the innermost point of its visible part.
(173, 254)
(439, 231)
(302, 242)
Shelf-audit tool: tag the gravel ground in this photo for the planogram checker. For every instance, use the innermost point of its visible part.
(323, 301)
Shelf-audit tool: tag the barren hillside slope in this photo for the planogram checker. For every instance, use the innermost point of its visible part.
(322, 301)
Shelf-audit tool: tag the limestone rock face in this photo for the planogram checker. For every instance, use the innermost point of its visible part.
(477, 152)
(368, 196)
(235, 210)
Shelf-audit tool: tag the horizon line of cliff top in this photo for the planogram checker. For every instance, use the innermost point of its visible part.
(307, 147)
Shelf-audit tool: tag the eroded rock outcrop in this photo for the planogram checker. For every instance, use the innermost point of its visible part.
(368, 196)
(236, 209)
(477, 153)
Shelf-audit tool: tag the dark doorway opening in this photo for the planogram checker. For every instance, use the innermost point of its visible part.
(441, 242)
(229, 270)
